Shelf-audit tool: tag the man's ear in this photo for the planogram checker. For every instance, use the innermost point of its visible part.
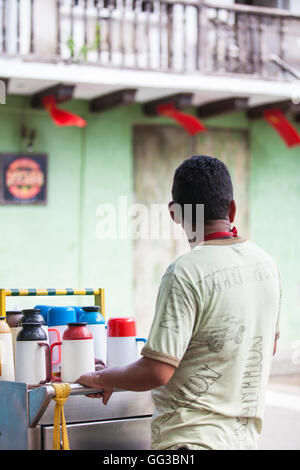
(175, 212)
(232, 211)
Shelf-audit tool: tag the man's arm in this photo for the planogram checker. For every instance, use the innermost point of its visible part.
(176, 309)
(142, 375)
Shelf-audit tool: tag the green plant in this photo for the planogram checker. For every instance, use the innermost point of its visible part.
(85, 49)
(71, 46)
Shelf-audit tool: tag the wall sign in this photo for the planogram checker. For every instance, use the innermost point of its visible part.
(23, 178)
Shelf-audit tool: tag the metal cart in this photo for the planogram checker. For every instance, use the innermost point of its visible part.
(27, 414)
(26, 419)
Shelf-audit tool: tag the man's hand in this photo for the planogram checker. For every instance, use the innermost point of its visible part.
(93, 380)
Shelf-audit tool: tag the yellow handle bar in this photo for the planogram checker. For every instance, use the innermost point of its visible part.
(98, 293)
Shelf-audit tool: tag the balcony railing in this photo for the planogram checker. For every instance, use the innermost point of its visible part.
(172, 36)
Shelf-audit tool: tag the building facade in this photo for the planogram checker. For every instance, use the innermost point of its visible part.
(158, 49)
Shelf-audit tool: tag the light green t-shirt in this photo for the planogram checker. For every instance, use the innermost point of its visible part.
(216, 317)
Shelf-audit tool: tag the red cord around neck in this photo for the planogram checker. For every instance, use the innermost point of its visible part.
(214, 235)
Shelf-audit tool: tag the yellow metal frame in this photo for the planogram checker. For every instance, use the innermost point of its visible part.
(97, 293)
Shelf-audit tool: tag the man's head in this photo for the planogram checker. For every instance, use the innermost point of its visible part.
(204, 180)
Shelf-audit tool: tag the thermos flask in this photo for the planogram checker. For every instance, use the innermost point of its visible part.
(122, 341)
(13, 317)
(33, 315)
(33, 364)
(78, 311)
(58, 317)
(77, 351)
(96, 325)
(7, 370)
(44, 309)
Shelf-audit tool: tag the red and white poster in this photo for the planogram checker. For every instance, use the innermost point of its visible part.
(23, 178)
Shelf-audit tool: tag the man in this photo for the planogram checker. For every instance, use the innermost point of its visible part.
(210, 347)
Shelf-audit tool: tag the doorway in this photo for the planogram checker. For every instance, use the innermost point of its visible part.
(158, 151)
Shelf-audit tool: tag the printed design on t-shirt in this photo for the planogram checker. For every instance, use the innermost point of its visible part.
(195, 386)
(251, 384)
(176, 302)
(229, 328)
(241, 428)
(158, 423)
(235, 276)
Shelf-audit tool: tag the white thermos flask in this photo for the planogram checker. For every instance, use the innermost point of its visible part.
(77, 351)
(122, 341)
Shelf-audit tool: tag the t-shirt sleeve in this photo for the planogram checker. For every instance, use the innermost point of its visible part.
(173, 324)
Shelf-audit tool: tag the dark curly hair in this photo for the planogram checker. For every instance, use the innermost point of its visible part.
(203, 180)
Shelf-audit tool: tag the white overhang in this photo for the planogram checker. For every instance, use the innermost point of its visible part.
(27, 78)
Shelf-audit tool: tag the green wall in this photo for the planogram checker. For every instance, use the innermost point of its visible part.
(274, 209)
(275, 214)
(56, 245)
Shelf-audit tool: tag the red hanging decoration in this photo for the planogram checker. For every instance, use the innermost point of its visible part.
(284, 128)
(59, 116)
(190, 123)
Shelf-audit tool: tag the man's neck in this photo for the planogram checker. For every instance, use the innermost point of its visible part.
(212, 226)
(219, 225)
